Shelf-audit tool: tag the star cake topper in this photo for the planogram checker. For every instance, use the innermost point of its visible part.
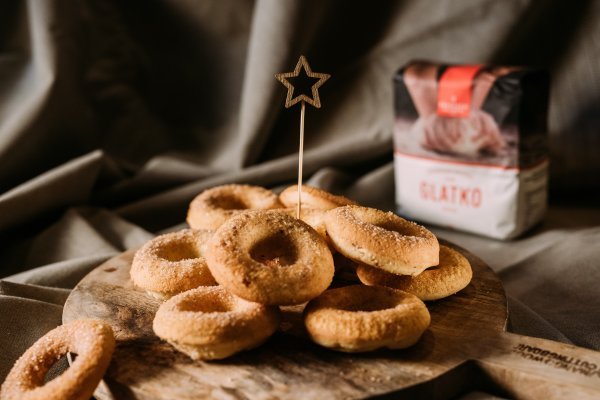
(286, 77)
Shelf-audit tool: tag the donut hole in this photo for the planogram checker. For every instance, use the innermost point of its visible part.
(205, 305)
(55, 367)
(276, 250)
(178, 251)
(228, 201)
(395, 227)
(368, 303)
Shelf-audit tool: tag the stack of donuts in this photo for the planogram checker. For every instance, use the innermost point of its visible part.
(223, 282)
(246, 255)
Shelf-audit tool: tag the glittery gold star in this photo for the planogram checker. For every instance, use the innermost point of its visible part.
(319, 77)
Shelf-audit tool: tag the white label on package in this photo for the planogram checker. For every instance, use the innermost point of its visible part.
(494, 201)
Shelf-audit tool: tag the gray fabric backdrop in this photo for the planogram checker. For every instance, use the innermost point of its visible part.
(114, 115)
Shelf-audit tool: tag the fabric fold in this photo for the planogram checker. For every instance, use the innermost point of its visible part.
(23, 321)
(68, 184)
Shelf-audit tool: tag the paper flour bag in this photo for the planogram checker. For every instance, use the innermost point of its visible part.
(470, 146)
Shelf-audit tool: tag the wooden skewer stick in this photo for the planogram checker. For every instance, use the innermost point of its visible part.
(302, 98)
(300, 158)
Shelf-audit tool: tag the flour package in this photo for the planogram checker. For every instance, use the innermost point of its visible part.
(470, 147)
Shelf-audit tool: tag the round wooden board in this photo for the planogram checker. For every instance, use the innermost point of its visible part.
(288, 365)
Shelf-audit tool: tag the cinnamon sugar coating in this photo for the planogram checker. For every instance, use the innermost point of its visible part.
(93, 342)
(172, 263)
(209, 323)
(313, 197)
(271, 258)
(362, 318)
(211, 208)
(451, 275)
(382, 239)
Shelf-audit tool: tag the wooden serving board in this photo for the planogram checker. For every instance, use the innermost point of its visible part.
(465, 348)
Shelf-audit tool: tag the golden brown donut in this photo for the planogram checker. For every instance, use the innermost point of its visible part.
(382, 239)
(313, 197)
(271, 258)
(209, 323)
(363, 318)
(172, 263)
(211, 208)
(450, 276)
(92, 341)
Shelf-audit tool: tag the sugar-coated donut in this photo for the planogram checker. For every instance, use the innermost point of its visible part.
(270, 257)
(172, 263)
(451, 275)
(382, 239)
(211, 208)
(209, 323)
(93, 342)
(313, 197)
(363, 318)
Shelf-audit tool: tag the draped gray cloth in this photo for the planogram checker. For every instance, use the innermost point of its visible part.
(114, 115)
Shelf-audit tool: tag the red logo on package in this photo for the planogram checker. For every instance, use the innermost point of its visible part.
(454, 91)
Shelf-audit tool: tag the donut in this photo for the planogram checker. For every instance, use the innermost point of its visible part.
(451, 275)
(211, 208)
(361, 318)
(382, 239)
(209, 323)
(270, 258)
(313, 197)
(92, 341)
(172, 263)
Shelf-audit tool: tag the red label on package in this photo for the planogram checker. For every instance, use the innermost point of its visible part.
(454, 91)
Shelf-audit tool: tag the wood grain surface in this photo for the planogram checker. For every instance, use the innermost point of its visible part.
(465, 348)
